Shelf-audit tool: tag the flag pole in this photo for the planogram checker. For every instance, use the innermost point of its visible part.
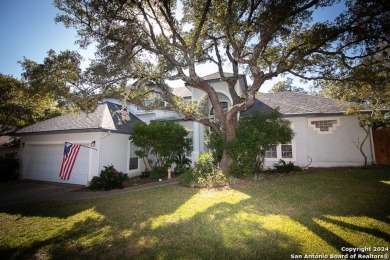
(85, 146)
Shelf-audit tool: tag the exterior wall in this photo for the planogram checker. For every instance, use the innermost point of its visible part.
(111, 148)
(60, 139)
(327, 150)
(199, 129)
(115, 150)
(189, 125)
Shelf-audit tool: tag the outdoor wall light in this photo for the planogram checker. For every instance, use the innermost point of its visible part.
(93, 143)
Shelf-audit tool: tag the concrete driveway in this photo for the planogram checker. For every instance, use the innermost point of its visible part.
(24, 191)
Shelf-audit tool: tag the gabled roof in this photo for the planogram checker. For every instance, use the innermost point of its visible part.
(104, 118)
(291, 103)
(182, 92)
(217, 76)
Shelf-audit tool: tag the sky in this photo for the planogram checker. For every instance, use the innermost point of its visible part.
(28, 30)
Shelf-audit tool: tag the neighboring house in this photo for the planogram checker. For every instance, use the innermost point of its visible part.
(323, 134)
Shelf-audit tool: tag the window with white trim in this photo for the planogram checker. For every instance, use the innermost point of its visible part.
(281, 151)
(190, 138)
(133, 158)
(224, 106)
(286, 150)
(271, 152)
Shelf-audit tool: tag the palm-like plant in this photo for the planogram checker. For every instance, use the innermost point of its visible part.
(182, 163)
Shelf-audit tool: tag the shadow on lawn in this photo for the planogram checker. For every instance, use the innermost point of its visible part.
(347, 213)
(273, 219)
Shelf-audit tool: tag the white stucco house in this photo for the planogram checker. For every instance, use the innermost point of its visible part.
(323, 134)
(42, 145)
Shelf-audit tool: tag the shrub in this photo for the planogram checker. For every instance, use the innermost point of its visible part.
(182, 163)
(284, 167)
(255, 134)
(108, 179)
(158, 143)
(206, 174)
(145, 174)
(158, 172)
(9, 165)
(246, 165)
(188, 177)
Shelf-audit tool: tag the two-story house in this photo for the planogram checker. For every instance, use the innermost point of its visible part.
(324, 135)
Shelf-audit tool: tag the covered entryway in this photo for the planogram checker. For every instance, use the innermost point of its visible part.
(381, 140)
(43, 162)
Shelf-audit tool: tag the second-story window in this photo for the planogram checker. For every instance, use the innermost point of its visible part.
(224, 106)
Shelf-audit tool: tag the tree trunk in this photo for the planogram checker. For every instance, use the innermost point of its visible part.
(226, 160)
(359, 145)
(361, 148)
(225, 163)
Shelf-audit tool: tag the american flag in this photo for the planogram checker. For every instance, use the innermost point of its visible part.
(68, 160)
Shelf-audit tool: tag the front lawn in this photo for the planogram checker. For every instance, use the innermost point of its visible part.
(280, 218)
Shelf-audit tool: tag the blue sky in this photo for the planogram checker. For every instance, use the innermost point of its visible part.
(28, 29)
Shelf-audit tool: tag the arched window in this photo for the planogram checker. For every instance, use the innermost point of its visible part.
(224, 106)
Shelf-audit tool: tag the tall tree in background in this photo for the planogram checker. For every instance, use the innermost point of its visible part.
(287, 85)
(46, 89)
(60, 76)
(167, 39)
(366, 89)
(22, 105)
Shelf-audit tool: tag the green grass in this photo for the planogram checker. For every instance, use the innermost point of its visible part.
(315, 213)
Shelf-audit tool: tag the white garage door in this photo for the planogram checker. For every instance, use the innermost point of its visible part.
(44, 163)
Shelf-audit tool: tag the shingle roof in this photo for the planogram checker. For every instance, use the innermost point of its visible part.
(216, 75)
(291, 103)
(182, 92)
(103, 118)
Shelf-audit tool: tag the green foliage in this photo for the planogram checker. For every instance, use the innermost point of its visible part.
(216, 142)
(188, 178)
(182, 163)
(145, 174)
(108, 179)
(311, 213)
(206, 173)
(158, 173)
(367, 88)
(287, 85)
(148, 40)
(22, 104)
(9, 165)
(60, 76)
(159, 142)
(284, 167)
(256, 133)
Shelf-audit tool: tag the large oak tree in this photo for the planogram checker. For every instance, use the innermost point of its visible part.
(150, 39)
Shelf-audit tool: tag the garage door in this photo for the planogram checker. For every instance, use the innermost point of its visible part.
(44, 163)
